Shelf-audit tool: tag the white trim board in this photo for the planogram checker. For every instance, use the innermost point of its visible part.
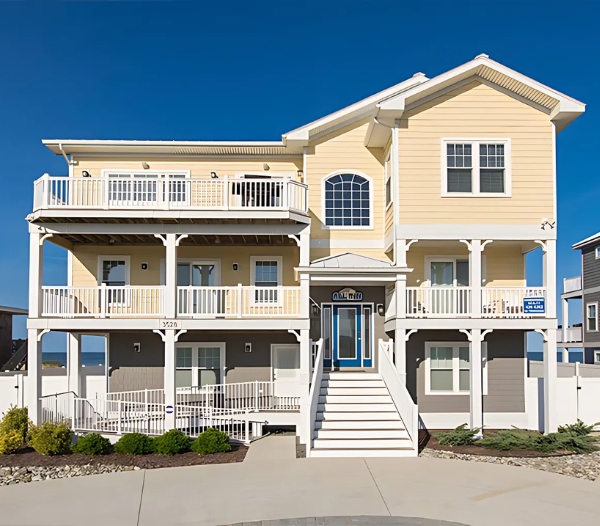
(497, 232)
(375, 244)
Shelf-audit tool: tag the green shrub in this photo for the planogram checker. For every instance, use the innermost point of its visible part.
(460, 436)
(511, 439)
(514, 439)
(579, 429)
(15, 419)
(172, 443)
(92, 444)
(211, 441)
(50, 438)
(134, 444)
(10, 441)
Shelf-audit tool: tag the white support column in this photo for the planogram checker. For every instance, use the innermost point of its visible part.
(400, 353)
(476, 397)
(169, 379)
(400, 296)
(305, 358)
(550, 381)
(304, 296)
(565, 355)
(34, 376)
(549, 271)
(565, 318)
(74, 364)
(475, 278)
(36, 270)
(304, 245)
(171, 276)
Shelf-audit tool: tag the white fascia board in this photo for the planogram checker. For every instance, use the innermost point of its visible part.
(566, 104)
(525, 324)
(332, 271)
(587, 240)
(67, 144)
(497, 232)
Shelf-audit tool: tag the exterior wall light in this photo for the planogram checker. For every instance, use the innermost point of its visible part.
(145, 165)
(380, 309)
(85, 173)
(213, 175)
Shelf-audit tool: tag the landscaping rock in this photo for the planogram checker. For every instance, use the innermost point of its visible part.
(579, 466)
(17, 475)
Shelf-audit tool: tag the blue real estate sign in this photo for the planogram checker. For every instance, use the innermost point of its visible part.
(534, 305)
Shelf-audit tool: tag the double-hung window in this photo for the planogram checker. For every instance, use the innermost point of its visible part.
(476, 167)
(448, 368)
(199, 364)
(266, 276)
(114, 272)
(592, 317)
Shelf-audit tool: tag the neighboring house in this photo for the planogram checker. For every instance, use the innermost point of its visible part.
(586, 288)
(387, 238)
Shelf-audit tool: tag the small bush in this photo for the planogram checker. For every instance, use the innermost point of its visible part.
(172, 443)
(211, 441)
(50, 439)
(460, 436)
(134, 444)
(514, 439)
(15, 419)
(578, 429)
(92, 444)
(511, 439)
(10, 441)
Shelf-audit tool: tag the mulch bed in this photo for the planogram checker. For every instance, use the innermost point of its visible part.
(432, 443)
(27, 457)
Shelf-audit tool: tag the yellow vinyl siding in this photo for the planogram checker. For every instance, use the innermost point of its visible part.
(198, 167)
(502, 266)
(475, 111)
(345, 150)
(389, 220)
(85, 262)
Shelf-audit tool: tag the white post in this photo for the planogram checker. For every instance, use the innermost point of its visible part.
(549, 272)
(565, 355)
(169, 380)
(74, 364)
(240, 291)
(400, 296)
(305, 296)
(34, 376)
(565, 318)
(475, 277)
(476, 395)
(305, 359)
(305, 247)
(400, 353)
(550, 381)
(36, 268)
(171, 275)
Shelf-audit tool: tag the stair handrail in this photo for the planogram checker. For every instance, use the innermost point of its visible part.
(313, 396)
(407, 409)
(18, 357)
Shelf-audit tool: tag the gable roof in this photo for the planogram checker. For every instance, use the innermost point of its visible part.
(350, 260)
(588, 241)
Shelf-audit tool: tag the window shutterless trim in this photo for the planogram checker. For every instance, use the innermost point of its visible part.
(324, 210)
(126, 259)
(588, 317)
(475, 168)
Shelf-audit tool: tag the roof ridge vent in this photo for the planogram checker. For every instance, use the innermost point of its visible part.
(419, 74)
(481, 55)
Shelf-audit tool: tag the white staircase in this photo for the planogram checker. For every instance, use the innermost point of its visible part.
(356, 417)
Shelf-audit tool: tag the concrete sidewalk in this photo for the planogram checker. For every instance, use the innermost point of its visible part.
(463, 492)
(272, 448)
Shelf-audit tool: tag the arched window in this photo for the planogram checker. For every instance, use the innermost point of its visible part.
(347, 200)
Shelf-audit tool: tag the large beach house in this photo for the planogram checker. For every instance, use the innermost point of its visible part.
(360, 279)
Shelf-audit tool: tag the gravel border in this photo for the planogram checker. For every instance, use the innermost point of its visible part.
(585, 466)
(18, 475)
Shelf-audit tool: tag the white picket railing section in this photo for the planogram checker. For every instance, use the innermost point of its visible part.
(571, 284)
(193, 420)
(240, 302)
(407, 409)
(57, 408)
(119, 193)
(507, 302)
(313, 395)
(438, 302)
(569, 335)
(102, 301)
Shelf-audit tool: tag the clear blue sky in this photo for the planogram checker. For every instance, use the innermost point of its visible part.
(253, 70)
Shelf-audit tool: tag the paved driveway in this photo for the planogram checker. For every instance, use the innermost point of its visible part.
(461, 492)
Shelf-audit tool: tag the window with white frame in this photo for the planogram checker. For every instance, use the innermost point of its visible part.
(448, 367)
(387, 177)
(113, 272)
(597, 252)
(592, 316)
(146, 187)
(347, 202)
(476, 167)
(199, 364)
(597, 357)
(266, 276)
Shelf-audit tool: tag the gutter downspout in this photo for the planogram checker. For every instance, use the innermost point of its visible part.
(70, 162)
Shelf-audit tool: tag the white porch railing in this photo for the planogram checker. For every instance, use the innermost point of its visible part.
(102, 301)
(438, 302)
(508, 302)
(108, 193)
(313, 396)
(57, 408)
(240, 302)
(407, 409)
(569, 335)
(571, 284)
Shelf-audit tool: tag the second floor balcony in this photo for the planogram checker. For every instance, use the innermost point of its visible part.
(572, 285)
(246, 197)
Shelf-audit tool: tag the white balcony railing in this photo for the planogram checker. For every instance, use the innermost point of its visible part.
(103, 302)
(438, 302)
(571, 284)
(168, 194)
(569, 335)
(239, 301)
(509, 302)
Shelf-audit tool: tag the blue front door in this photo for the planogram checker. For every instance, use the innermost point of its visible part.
(347, 336)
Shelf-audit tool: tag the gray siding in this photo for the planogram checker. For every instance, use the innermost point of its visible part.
(131, 371)
(590, 336)
(591, 267)
(506, 373)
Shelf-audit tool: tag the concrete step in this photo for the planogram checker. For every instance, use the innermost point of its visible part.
(351, 376)
(351, 391)
(354, 425)
(358, 398)
(362, 453)
(332, 384)
(366, 416)
(355, 408)
(363, 434)
(350, 443)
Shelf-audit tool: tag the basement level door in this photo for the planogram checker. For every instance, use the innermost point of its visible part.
(286, 369)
